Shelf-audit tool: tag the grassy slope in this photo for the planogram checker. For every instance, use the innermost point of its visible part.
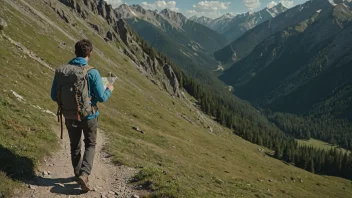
(319, 144)
(184, 158)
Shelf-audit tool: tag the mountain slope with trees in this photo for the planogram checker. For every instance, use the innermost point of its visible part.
(185, 42)
(304, 71)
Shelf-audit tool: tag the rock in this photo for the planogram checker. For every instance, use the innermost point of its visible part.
(270, 180)
(3, 24)
(292, 179)
(45, 173)
(219, 181)
(138, 129)
(260, 180)
(95, 27)
(109, 35)
(103, 195)
(32, 187)
(134, 196)
(62, 185)
(300, 180)
(170, 74)
(63, 15)
(111, 192)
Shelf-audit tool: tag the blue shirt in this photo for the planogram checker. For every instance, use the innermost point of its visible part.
(95, 88)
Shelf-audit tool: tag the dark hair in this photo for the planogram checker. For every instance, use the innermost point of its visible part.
(83, 48)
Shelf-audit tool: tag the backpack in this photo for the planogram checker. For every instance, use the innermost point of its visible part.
(72, 92)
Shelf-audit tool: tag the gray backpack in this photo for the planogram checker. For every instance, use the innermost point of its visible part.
(72, 92)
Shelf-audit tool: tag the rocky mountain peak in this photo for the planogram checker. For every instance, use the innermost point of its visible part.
(174, 18)
(193, 18)
(139, 8)
(228, 15)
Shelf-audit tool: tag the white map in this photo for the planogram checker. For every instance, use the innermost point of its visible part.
(108, 80)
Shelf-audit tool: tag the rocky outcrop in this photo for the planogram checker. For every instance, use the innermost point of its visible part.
(110, 35)
(170, 74)
(70, 3)
(105, 10)
(61, 12)
(95, 27)
(120, 27)
(3, 24)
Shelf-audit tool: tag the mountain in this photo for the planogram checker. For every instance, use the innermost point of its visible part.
(201, 20)
(243, 22)
(185, 42)
(214, 24)
(182, 152)
(222, 23)
(232, 27)
(303, 68)
(244, 45)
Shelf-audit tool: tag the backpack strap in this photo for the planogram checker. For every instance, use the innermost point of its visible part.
(59, 110)
(87, 68)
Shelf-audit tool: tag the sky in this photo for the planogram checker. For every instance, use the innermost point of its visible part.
(208, 8)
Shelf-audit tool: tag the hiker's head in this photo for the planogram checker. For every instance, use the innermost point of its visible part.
(83, 48)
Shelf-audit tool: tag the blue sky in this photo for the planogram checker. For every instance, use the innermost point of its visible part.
(212, 8)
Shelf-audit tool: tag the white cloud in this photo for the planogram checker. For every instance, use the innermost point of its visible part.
(287, 3)
(204, 6)
(211, 9)
(271, 4)
(251, 4)
(213, 15)
(160, 4)
(115, 3)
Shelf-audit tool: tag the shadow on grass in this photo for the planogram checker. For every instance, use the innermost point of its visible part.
(21, 168)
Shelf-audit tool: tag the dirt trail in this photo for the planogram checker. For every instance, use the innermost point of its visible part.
(55, 176)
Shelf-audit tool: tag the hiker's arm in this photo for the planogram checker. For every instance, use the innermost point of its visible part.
(101, 95)
(53, 91)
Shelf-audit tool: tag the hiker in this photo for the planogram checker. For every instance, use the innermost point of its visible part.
(77, 88)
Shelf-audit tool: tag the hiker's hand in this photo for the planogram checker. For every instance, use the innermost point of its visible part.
(110, 87)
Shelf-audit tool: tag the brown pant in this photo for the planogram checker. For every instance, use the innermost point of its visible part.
(89, 128)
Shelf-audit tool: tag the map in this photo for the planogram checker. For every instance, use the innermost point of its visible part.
(108, 80)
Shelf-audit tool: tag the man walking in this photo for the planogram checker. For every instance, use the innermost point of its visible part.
(77, 88)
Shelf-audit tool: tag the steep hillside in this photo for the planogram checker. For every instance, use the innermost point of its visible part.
(182, 153)
(244, 45)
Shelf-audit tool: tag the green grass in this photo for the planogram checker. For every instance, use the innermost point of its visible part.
(25, 132)
(319, 144)
(176, 158)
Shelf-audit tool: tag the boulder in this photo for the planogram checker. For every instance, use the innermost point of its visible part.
(3, 24)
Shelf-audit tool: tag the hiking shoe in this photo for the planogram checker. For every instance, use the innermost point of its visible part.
(83, 181)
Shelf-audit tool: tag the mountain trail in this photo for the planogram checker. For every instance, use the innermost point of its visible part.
(55, 176)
